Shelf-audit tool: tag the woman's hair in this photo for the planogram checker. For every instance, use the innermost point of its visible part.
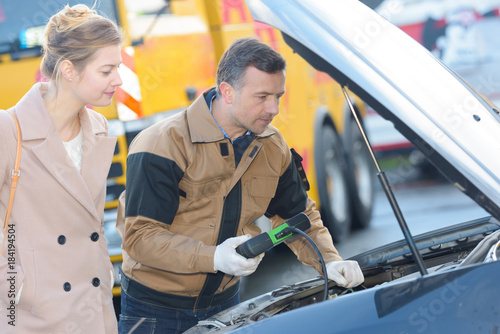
(75, 34)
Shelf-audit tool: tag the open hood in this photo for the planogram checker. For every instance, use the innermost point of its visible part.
(454, 126)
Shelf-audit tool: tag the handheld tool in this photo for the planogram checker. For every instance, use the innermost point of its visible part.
(267, 240)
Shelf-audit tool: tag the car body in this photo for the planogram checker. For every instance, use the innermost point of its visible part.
(456, 128)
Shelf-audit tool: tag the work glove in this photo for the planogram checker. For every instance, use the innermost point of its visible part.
(345, 273)
(228, 261)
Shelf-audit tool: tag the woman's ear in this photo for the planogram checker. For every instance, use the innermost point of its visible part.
(67, 70)
(227, 91)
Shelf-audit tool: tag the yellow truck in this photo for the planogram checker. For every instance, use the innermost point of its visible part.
(170, 56)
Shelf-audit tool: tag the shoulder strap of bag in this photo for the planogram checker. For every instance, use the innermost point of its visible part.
(14, 176)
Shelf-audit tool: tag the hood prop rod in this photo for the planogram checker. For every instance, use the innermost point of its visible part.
(390, 195)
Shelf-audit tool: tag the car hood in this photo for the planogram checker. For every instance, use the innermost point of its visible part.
(454, 126)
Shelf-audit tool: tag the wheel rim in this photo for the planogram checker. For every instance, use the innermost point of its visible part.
(332, 181)
(362, 174)
(335, 185)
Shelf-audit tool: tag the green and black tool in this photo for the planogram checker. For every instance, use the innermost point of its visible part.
(267, 240)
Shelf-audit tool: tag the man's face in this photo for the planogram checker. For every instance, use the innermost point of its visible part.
(256, 102)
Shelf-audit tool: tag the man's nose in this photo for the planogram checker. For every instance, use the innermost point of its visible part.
(273, 106)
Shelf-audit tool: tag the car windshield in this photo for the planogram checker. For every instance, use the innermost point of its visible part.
(23, 30)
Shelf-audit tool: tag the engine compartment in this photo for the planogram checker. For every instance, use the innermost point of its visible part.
(442, 250)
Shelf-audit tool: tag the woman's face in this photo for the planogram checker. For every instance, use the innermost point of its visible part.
(97, 83)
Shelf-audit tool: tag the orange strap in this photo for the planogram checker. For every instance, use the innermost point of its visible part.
(15, 175)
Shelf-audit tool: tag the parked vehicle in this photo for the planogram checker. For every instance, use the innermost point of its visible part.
(463, 35)
(443, 281)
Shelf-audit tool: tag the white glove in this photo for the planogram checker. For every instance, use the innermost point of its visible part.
(345, 273)
(228, 261)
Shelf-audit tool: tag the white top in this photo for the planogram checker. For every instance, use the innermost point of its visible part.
(74, 148)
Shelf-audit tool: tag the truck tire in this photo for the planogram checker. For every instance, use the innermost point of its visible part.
(332, 182)
(360, 176)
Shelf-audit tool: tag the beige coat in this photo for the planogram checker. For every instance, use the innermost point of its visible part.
(60, 258)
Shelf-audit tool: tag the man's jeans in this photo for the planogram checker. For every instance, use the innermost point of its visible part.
(143, 318)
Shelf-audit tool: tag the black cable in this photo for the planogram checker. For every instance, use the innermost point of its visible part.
(293, 229)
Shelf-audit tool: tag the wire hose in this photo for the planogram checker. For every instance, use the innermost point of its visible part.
(293, 229)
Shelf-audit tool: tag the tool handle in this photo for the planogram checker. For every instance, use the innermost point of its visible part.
(255, 246)
(267, 240)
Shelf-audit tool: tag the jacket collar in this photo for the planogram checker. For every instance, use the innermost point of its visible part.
(203, 127)
(39, 133)
(35, 121)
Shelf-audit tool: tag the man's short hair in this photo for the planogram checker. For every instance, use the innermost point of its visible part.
(243, 53)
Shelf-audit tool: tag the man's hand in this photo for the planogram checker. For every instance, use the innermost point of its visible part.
(345, 273)
(228, 261)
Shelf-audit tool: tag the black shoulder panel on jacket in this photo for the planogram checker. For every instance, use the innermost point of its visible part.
(152, 187)
(298, 163)
(291, 197)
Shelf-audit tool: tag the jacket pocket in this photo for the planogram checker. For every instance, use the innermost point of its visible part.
(193, 191)
(29, 287)
(262, 190)
(129, 324)
(197, 201)
(264, 186)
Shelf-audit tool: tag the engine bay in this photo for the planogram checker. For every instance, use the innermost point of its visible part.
(442, 250)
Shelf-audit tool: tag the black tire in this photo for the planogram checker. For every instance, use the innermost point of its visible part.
(332, 182)
(360, 176)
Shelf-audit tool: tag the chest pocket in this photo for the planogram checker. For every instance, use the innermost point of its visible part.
(194, 191)
(262, 190)
(197, 199)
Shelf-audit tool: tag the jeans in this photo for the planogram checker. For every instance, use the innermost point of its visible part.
(143, 318)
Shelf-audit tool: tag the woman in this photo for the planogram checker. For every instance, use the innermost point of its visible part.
(59, 277)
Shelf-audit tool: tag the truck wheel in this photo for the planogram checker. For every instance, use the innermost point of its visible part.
(360, 176)
(332, 182)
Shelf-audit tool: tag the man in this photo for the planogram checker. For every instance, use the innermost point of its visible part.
(196, 182)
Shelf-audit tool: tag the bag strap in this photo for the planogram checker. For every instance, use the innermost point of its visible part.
(14, 176)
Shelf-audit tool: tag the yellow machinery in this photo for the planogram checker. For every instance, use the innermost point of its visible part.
(170, 56)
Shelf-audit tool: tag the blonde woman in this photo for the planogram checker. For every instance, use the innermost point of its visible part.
(56, 276)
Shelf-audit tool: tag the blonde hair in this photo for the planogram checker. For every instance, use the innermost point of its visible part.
(75, 34)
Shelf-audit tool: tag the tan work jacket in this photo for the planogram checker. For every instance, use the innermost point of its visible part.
(185, 195)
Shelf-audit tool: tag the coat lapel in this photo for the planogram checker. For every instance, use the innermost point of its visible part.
(52, 155)
(39, 134)
(97, 154)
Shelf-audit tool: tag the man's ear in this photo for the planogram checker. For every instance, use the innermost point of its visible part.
(227, 91)
(68, 70)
